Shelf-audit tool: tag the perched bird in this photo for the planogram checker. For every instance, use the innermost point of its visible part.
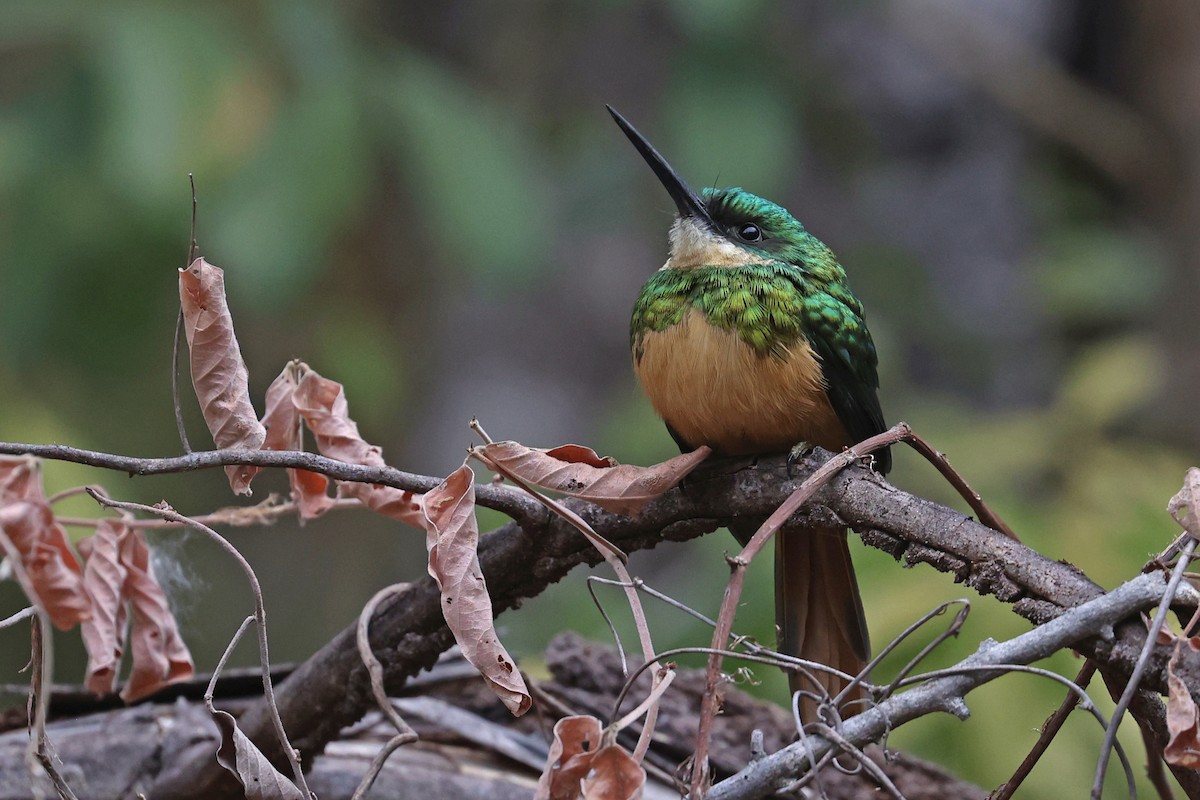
(748, 340)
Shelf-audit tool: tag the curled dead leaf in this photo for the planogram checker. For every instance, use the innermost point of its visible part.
(452, 535)
(1185, 505)
(104, 581)
(159, 655)
(576, 742)
(49, 561)
(578, 471)
(614, 775)
(323, 406)
(20, 478)
(240, 756)
(1183, 720)
(219, 374)
(310, 490)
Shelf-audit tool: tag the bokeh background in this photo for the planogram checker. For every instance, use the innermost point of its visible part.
(430, 205)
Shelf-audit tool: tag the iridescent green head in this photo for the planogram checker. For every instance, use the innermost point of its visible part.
(732, 227)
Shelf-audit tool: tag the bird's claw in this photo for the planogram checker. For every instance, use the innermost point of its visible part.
(796, 454)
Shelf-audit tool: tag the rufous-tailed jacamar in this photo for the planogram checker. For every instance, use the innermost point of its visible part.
(748, 340)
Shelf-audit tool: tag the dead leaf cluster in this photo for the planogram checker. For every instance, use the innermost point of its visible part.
(113, 595)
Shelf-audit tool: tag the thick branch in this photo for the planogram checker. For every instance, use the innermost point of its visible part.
(331, 689)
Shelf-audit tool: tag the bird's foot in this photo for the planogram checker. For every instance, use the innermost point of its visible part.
(797, 454)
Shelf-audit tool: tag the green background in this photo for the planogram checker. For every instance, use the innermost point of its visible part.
(430, 205)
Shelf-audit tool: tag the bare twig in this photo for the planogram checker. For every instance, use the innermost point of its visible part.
(1154, 766)
(404, 734)
(591, 579)
(42, 659)
(1160, 617)
(733, 590)
(176, 402)
(973, 498)
(959, 619)
(23, 614)
(951, 630)
(501, 498)
(229, 648)
(945, 693)
(1050, 729)
(265, 513)
(872, 769)
(260, 616)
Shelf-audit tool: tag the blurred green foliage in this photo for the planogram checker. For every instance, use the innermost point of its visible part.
(434, 209)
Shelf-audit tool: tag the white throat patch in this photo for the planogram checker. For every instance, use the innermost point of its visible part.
(693, 245)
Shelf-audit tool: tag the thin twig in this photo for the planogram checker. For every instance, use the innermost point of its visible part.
(504, 499)
(866, 763)
(265, 513)
(404, 733)
(951, 630)
(1050, 729)
(192, 248)
(772, 660)
(973, 498)
(945, 693)
(211, 690)
(23, 614)
(43, 666)
(909, 631)
(1160, 617)
(176, 402)
(260, 616)
(1154, 765)
(733, 590)
(42, 659)
(611, 625)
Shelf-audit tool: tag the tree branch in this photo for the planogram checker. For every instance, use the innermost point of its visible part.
(332, 689)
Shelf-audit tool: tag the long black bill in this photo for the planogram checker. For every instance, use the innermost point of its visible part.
(687, 201)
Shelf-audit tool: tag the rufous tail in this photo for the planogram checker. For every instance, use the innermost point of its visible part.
(818, 611)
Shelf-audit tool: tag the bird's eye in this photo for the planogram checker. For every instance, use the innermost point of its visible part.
(749, 232)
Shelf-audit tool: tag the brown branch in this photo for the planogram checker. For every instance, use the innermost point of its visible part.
(332, 688)
(501, 498)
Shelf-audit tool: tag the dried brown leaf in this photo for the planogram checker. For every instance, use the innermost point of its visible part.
(310, 490)
(323, 406)
(53, 569)
(452, 535)
(219, 374)
(159, 655)
(1185, 505)
(20, 478)
(578, 454)
(1183, 720)
(573, 470)
(576, 742)
(104, 580)
(239, 755)
(614, 775)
